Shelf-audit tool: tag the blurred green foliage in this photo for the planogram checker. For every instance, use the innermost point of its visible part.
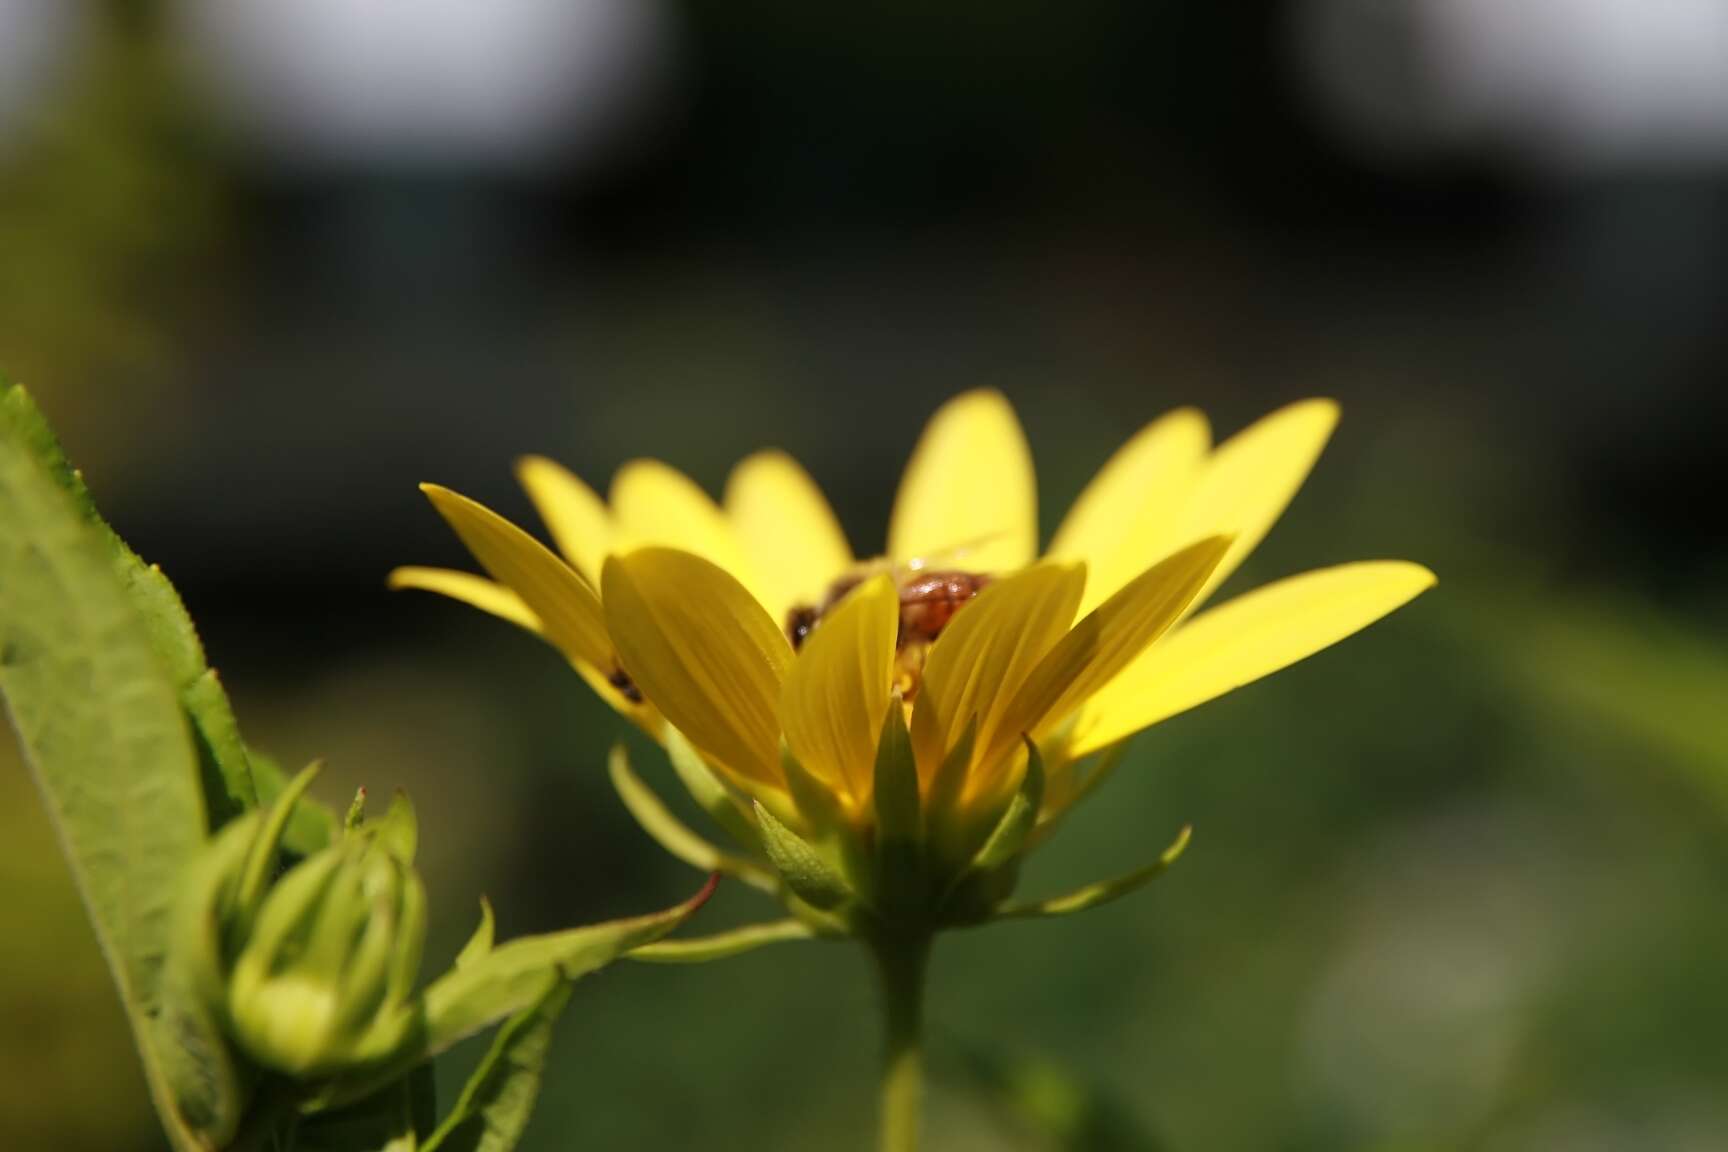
(109, 186)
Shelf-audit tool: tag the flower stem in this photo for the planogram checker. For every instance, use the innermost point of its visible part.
(901, 964)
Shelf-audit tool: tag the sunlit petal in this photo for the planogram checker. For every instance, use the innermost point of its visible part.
(655, 504)
(836, 693)
(1252, 478)
(475, 591)
(787, 531)
(702, 649)
(568, 610)
(1131, 514)
(1252, 636)
(984, 655)
(574, 515)
(1107, 640)
(968, 496)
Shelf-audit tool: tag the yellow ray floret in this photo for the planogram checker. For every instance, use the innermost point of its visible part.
(574, 515)
(701, 648)
(566, 606)
(834, 697)
(784, 525)
(969, 488)
(1252, 636)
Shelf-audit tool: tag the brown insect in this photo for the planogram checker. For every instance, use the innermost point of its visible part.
(928, 600)
(620, 680)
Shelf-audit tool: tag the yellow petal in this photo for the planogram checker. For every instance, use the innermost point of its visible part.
(787, 531)
(832, 704)
(574, 515)
(1253, 477)
(1252, 636)
(498, 600)
(655, 504)
(704, 652)
(1132, 512)
(985, 653)
(1107, 640)
(475, 591)
(568, 610)
(967, 498)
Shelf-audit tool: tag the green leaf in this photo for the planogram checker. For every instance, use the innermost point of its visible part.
(227, 777)
(673, 834)
(806, 873)
(100, 718)
(721, 945)
(230, 787)
(493, 1110)
(1009, 836)
(515, 975)
(1103, 892)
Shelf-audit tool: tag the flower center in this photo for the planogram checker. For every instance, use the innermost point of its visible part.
(928, 600)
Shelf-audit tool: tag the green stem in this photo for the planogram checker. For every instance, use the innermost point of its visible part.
(901, 965)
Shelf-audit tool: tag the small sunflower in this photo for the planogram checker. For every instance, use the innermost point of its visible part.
(888, 737)
(750, 631)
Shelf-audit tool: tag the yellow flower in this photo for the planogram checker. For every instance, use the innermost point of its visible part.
(677, 610)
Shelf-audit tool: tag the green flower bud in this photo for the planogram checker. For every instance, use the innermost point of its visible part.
(323, 982)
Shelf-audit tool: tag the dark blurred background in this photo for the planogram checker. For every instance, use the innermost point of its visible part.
(1457, 884)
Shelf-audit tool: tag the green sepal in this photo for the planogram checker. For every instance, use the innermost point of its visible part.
(671, 833)
(721, 945)
(950, 780)
(831, 828)
(1094, 895)
(411, 935)
(492, 1112)
(399, 832)
(513, 976)
(709, 791)
(1009, 837)
(312, 826)
(210, 1087)
(262, 857)
(899, 815)
(1097, 769)
(899, 812)
(995, 869)
(811, 878)
(480, 943)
